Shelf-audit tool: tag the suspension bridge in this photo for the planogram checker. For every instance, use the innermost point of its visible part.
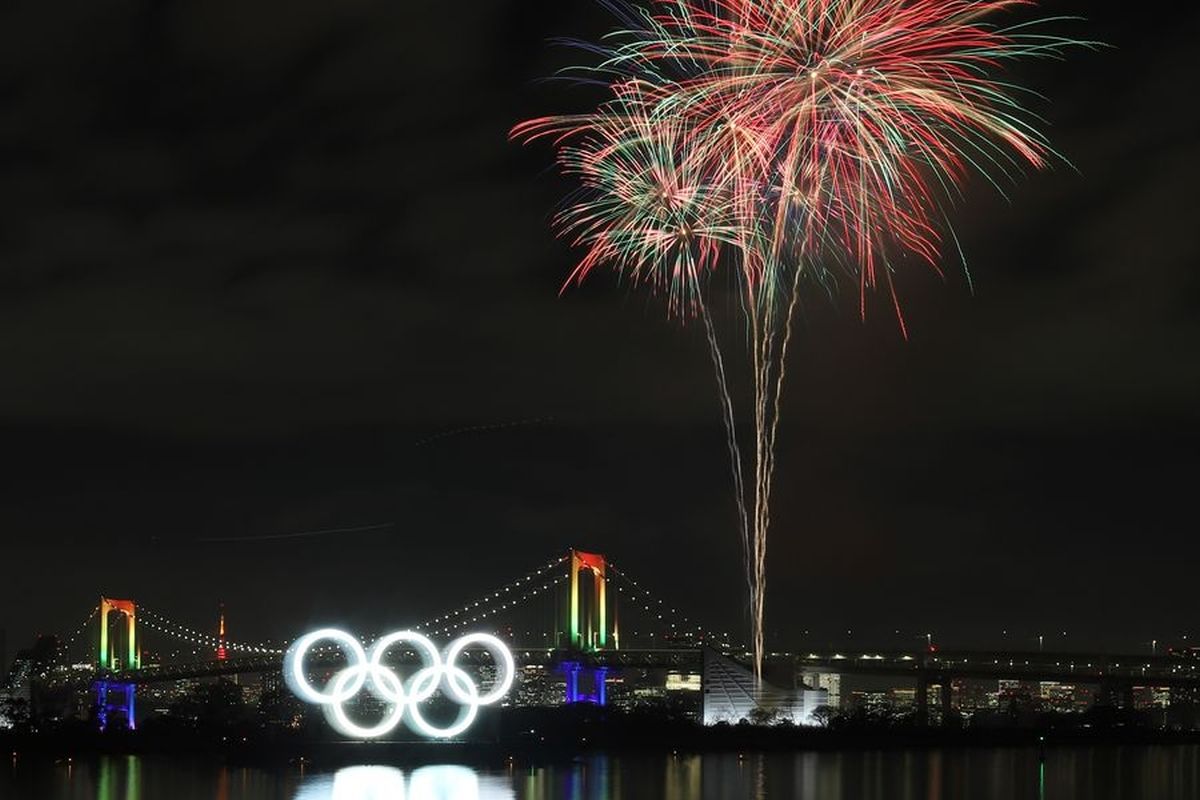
(594, 620)
(585, 635)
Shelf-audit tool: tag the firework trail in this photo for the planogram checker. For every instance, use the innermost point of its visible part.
(735, 450)
(787, 140)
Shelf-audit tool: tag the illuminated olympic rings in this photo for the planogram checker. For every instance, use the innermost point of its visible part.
(439, 670)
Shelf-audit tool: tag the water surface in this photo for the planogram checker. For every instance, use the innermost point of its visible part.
(1086, 773)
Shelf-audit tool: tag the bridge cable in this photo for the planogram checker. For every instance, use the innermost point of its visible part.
(681, 626)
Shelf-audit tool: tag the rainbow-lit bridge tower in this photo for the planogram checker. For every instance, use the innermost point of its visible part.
(588, 617)
(116, 696)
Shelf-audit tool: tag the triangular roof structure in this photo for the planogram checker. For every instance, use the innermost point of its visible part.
(732, 693)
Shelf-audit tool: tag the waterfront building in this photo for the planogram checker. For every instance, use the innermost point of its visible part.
(732, 694)
(831, 683)
(1057, 696)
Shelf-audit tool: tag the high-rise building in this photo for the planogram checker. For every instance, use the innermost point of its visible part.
(831, 682)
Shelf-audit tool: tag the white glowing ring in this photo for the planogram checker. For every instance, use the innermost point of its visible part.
(430, 657)
(293, 668)
(335, 712)
(438, 671)
(500, 655)
(469, 708)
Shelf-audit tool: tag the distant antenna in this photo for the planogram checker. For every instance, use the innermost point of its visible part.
(222, 654)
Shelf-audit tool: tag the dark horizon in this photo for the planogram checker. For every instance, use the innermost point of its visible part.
(264, 279)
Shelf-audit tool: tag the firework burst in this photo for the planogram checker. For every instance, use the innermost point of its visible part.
(782, 138)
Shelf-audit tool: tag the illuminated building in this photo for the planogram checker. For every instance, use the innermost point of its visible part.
(1148, 697)
(1057, 696)
(877, 702)
(973, 695)
(1020, 692)
(732, 694)
(1085, 697)
(831, 682)
(683, 682)
(649, 695)
(671, 692)
(540, 687)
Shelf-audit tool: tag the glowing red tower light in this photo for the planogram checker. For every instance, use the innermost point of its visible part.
(222, 654)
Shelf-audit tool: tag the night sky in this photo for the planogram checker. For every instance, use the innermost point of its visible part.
(273, 267)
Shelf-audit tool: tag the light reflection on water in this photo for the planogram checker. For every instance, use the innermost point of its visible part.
(424, 783)
(1094, 773)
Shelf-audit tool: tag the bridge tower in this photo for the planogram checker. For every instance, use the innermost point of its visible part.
(589, 629)
(133, 655)
(117, 695)
(592, 633)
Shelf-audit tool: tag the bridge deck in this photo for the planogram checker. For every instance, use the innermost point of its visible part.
(944, 665)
